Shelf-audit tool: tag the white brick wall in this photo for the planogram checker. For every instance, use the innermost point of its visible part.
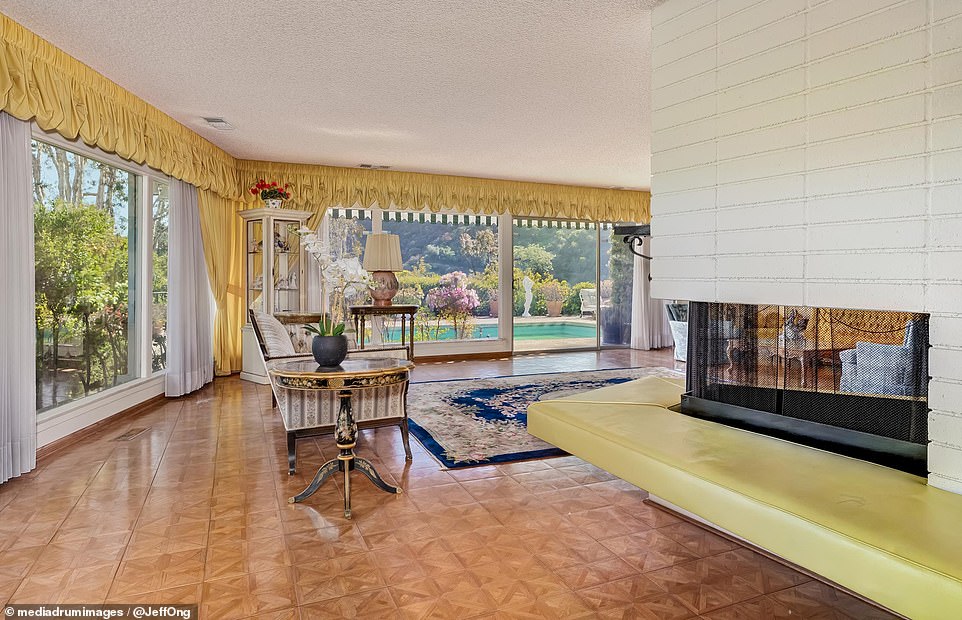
(810, 152)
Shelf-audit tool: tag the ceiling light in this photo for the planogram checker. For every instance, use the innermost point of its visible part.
(218, 123)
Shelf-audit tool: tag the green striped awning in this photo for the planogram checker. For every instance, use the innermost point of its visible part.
(463, 219)
(534, 223)
(455, 219)
(352, 214)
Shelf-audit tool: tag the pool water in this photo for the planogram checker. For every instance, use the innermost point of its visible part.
(553, 331)
(523, 331)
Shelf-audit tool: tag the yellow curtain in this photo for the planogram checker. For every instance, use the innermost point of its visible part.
(223, 233)
(316, 188)
(40, 82)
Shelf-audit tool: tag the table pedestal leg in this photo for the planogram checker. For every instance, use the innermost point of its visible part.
(326, 471)
(411, 346)
(345, 436)
(365, 467)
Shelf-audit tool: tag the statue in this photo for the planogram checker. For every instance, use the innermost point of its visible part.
(528, 295)
(795, 325)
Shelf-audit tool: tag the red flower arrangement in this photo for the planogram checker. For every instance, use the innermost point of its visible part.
(269, 191)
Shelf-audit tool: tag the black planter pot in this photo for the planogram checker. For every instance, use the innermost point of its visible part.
(329, 350)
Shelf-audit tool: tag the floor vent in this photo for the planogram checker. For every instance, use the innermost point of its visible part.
(132, 434)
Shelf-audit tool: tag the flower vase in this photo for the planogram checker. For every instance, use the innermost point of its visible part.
(329, 350)
(273, 203)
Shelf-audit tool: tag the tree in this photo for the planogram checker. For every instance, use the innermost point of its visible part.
(617, 317)
(453, 300)
(81, 274)
(481, 249)
(346, 236)
(158, 314)
(534, 258)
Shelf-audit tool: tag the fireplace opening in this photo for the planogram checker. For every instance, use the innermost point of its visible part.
(854, 382)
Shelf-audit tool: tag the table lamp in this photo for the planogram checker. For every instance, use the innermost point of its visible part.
(382, 257)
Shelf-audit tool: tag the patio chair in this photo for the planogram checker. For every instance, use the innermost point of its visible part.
(307, 413)
(589, 301)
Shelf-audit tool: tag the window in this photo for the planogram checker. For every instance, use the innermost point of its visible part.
(617, 279)
(346, 230)
(555, 285)
(450, 271)
(160, 211)
(101, 233)
(579, 273)
(85, 247)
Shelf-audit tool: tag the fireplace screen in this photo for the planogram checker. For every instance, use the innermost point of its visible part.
(850, 373)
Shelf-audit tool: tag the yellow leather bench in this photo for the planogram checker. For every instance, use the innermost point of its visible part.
(879, 532)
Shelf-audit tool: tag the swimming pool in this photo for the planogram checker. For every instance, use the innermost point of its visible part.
(555, 330)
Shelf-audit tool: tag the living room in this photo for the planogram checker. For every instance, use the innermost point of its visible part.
(801, 169)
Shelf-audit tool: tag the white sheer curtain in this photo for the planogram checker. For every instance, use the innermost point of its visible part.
(190, 357)
(649, 322)
(18, 396)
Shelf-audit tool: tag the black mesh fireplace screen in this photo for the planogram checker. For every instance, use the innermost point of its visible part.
(828, 376)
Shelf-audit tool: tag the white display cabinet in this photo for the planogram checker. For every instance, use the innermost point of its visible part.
(273, 273)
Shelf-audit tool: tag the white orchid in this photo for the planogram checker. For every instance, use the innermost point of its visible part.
(344, 277)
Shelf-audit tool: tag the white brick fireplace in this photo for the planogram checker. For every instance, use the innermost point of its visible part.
(809, 152)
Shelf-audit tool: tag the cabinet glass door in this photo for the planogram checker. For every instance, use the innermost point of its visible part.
(255, 265)
(287, 267)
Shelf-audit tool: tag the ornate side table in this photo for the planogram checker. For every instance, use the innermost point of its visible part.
(351, 376)
(407, 312)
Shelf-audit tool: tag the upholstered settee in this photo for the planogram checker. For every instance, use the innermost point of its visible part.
(308, 413)
(892, 369)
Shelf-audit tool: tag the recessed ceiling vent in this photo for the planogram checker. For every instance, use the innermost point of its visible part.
(218, 123)
(373, 166)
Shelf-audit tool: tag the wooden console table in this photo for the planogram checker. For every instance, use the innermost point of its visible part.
(360, 314)
(352, 375)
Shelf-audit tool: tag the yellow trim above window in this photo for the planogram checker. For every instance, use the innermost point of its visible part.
(320, 187)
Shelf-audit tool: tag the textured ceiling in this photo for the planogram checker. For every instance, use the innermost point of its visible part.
(542, 90)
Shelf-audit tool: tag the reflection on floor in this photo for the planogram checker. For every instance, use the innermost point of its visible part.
(195, 511)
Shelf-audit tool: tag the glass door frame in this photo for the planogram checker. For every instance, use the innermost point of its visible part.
(597, 227)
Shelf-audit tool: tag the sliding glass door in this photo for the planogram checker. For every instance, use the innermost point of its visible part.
(569, 285)
(450, 272)
(555, 285)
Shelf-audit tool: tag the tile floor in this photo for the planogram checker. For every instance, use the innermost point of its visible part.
(195, 511)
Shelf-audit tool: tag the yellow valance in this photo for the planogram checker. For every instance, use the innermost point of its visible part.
(319, 187)
(39, 81)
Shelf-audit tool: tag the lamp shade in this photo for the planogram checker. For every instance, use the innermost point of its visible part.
(382, 252)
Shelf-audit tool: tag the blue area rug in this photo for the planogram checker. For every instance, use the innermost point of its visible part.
(471, 422)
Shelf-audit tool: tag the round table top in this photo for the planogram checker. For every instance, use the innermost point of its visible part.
(360, 367)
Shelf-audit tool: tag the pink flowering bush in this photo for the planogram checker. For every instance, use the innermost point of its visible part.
(453, 300)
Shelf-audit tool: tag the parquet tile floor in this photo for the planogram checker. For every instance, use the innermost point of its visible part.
(195, 511)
